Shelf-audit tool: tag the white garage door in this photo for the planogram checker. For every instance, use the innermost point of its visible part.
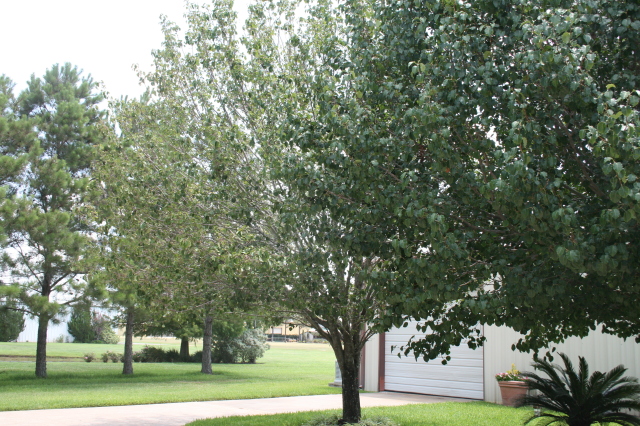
(462, 377)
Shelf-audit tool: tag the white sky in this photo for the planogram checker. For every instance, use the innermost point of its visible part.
(103, 38)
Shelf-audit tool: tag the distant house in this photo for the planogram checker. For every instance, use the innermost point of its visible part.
(288, 331)
(471, 373)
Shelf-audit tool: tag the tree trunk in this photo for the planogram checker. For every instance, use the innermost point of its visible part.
(184, 349)
(350, 369)
(206, 345)
(127, 361)
(41, 348)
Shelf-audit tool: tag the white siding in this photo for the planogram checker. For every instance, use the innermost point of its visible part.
(601, 351)
(462, 377)
(30, 332)
(371, 365)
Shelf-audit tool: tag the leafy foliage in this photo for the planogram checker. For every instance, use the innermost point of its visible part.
(225, 334)
(577, 399)
(149, 354)
(80, 325)
(233, 343)
(251, 346)
(111, 356)
(488, 153)
(225, 96)
(11, 323)
(90, 326)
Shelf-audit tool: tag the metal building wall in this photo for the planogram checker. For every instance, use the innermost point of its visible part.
(30, 332)
(371, 364)
(601, 351)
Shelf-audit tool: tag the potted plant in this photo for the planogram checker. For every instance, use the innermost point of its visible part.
(513, 386)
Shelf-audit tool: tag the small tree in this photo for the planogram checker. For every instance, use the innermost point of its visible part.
(252, 345)
(225, 334)
(11, 323)
(90, 326)
(80, 324)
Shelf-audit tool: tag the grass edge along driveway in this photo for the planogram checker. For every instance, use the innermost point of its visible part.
(438, 414)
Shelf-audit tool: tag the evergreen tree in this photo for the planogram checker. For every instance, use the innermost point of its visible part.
(46, 236)
(11, 323)
(79, 325)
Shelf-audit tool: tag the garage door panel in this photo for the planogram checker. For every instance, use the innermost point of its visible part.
(458, 351)
(456, 361)
(463, 374)
(453, 393)
(461, 377)
(442, 384)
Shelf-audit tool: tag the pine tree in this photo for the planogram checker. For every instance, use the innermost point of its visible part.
(46, 238)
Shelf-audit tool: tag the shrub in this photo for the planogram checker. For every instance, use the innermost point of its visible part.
(172, 355)
(109, 336)
(248, 347)
(252, 345)
(196, 357)
(88, 357)
(149, 354)
(87, 326)
(225, 335)
(577, 399)
(11, 323)
(224, 352)
(79, 325)
(137, 356)
(113, 356)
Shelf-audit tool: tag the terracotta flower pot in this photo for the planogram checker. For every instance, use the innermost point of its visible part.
(511, 391)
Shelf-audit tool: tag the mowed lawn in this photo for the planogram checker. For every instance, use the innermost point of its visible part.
(287, 369)
(442, 414)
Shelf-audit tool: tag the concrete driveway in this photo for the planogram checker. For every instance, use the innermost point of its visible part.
(177, 414)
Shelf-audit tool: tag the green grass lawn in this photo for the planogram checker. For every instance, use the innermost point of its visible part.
(287, 369)
(76, 351)
(442, 414)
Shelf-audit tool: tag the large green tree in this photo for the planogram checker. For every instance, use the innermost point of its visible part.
(209, 147)
(492, 148)
(16, 133)
(47, 237)
(169, 215)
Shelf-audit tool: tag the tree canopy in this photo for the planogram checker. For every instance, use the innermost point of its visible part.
(489, 150)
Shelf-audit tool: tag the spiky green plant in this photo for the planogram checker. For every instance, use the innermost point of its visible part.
(577, 399)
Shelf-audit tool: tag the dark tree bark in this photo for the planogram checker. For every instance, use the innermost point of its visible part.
(347, 344)
(41, 348)
(184, 348)
(206, 345)
(128, 343)
(350, 369)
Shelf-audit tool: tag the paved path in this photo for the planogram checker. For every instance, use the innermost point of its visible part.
(179, 413)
